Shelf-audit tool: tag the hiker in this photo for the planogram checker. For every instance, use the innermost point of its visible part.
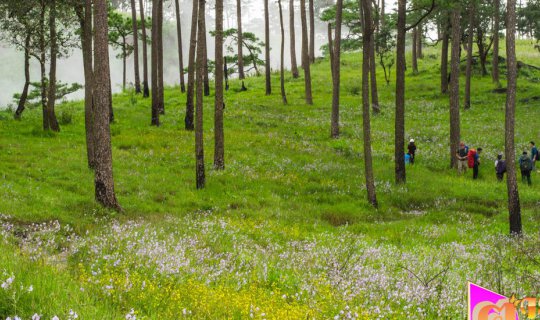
(461, 155)
(500, 167)
(412, 150)
(473, 161)
(525, 164)
(534, 155)
(407, 158)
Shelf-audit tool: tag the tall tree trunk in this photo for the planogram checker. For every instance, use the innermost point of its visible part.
(305, 53)
(511, 181)
(161, 98)
(414, 51)
(373, 76)
(311, 32)
(454, 87)
(104, 183)
(42, 61)
(469, 57)
(135, 46)
(191, 67)
(282, 69)
(400, 95)
(482, 50)
(240, 40)
(495, 60)
(199, 141)
(368, 165)
(294, 66)
(335, 53)
(146, 90)
(267, 72)
(51, 99)
(124, 64)
(24, 94)
(86, 44)
(383, 18)
(444, 56)
(180, 49)
(219, 144)
(155, 63)
(419, 38)
(206, 79)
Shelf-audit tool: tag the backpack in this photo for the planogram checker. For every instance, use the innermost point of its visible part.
(501, 166)
(526, 164)
(471, 155)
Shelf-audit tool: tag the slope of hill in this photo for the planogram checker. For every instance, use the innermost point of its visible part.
(286, 230)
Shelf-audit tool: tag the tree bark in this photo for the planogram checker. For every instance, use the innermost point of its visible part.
(454, 87)
(124, 64)
(469, 58)
(135, 47)
(368, 162)
(495, 60)
(482, 50)
(399, 151)
(267, 72)
(444, 57)
(51, 99)
(335, 54)
(514, 208)
(199, 141)
(373, 76)
(42, 61)
(24, 94)
(206, 80)
(311, 32)
(155, 68)
(104, 183)
(86, 44)
(191, 67)
(219, 146)
(294, 66)
(414, 51)
(282, 69)
(146, 90)
(241, 74)
(419, 38)
(161, 98)
(305, 53)
(180, 49)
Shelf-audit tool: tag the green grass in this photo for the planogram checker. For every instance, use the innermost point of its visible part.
(282, 169)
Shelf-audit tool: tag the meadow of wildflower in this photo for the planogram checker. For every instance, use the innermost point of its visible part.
(285, 231)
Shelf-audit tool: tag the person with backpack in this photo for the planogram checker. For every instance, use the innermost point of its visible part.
(525, 165)
(412, 150)
(473, 161)
(500, 167)
(461, 155)
(534, 155)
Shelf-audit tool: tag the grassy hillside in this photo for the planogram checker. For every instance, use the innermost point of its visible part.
(285, 231)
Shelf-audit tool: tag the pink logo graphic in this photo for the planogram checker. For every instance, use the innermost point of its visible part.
(488, 305)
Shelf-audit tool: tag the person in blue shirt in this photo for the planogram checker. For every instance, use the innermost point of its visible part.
(534, 155)
(408, 158)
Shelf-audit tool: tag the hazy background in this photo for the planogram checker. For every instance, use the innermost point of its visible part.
(71, 69)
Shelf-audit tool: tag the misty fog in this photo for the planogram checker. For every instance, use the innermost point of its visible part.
(71, 69)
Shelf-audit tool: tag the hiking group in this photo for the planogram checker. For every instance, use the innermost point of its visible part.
(470, 158)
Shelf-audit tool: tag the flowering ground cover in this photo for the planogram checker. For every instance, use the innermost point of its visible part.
(285, 232)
